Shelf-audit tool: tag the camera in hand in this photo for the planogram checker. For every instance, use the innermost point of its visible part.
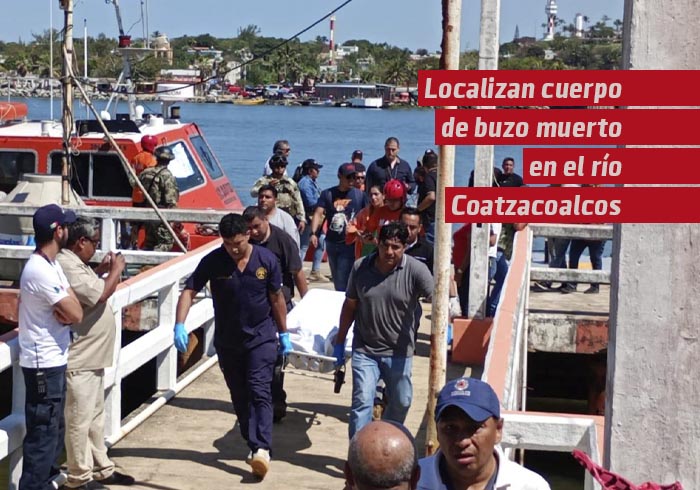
(338, 378)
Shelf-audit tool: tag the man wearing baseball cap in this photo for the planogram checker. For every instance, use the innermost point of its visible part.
(338, 205)
(47, 308)
(470, 427)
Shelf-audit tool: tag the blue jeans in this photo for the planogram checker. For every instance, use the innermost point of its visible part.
(43, 411)
(341, 257)
(305, 239)
(366, 372)
(500, 278)
(430, 233)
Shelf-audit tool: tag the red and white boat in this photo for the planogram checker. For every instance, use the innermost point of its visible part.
(98, 177)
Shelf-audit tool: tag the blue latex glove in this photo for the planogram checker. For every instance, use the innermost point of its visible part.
(449, 333)
(339, 354)
(181, 337)
(285, 344)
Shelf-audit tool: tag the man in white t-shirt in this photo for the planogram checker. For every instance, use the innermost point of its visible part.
(47, 308)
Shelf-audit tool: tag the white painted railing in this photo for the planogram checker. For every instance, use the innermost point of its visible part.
(505, 367)
(583, 232)
(111, 218)
(163, 281)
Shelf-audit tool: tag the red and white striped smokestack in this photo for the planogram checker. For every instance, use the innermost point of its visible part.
(331, 59)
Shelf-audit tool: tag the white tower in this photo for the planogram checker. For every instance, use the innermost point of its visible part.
(579, 25)
(551, 10)
(331, 59)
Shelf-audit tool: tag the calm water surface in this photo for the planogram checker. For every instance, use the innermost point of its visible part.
(242, 136)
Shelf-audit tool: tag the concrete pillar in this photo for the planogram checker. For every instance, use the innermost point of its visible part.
(483, 165)
(652, 429)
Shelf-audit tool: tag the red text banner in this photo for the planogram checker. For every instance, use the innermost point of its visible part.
(567, 127)
(558, 88)
(611, 165)
(572, 205)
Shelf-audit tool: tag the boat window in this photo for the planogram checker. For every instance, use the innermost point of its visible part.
(95, 175)
(207, 157)
(108, 176)
(12, 165)
(184, 167)
(80, 174)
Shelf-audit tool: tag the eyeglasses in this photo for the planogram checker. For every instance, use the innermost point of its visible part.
(286, 150)
(278, 161)
(95, 243)
(360, 177)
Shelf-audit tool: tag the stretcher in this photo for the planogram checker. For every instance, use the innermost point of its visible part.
(312, 325)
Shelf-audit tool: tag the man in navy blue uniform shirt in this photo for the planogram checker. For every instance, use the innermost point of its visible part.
(249, 310)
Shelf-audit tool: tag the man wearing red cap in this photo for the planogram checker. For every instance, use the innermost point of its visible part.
(469, 425)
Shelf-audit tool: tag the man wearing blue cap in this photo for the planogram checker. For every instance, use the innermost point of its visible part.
(47, 308)
(470, 426)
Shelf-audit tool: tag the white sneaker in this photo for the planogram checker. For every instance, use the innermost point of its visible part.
(260, 463)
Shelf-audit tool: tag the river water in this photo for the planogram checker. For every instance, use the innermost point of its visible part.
(242, 136)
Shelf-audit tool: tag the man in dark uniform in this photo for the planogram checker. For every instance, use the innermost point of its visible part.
(285, 249)
(249, 310)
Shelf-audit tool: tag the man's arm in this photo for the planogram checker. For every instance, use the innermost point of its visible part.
(347, 316)
(427, 201)
(171, 194)
(299, 205)
(300, 281)
(316, 221)
(116, 267)
(279, 309)
(68, 310)
(256, 187)
(184, 303)
(410, 179)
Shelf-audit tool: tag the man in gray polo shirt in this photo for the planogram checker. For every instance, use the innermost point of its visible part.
(383, 291)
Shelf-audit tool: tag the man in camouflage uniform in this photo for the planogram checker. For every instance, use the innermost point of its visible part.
(161, 185)
(288, 195)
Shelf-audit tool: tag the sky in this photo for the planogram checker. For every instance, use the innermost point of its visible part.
(411, 24)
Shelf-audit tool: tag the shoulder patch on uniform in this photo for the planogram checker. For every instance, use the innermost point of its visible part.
(261, 273)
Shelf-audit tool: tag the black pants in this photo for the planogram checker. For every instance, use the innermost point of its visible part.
(43, 411)
(248, 375)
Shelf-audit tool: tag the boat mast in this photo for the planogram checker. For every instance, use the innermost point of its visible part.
(67, 7)
(125, 76)
(449, 60)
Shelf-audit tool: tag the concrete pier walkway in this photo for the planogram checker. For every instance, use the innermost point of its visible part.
(194, 442)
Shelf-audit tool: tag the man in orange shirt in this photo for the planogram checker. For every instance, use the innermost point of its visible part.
(141, 161)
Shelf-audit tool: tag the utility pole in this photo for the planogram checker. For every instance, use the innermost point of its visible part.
(67, 7)
(483, 166)
(449, 60)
